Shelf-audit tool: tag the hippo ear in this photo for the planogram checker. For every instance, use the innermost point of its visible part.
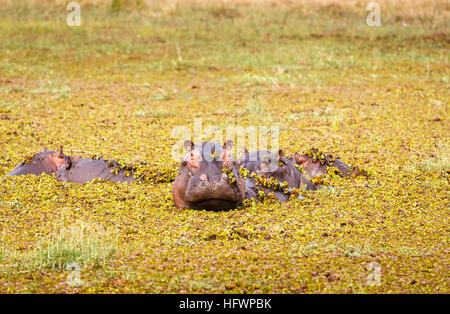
(68, 163)
(60, 152)
(280, 154)
(227, 154)
(188, 145)
(228, 144)
(246, 153)
(44, 149)
(300, 159)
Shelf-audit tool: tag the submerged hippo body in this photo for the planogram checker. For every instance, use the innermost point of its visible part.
(208, 178)
(86, 170)
(46, 161)
(252, 191)
(273, 165)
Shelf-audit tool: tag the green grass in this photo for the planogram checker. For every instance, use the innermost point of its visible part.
(117, 85)
(436, 161)
(81, 243)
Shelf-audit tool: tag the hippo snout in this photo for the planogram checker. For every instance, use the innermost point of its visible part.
(61, 175)
(212, 193)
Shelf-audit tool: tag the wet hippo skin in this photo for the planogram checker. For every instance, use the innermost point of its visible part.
(86, 170)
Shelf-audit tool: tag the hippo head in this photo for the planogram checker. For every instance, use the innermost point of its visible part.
(280, 168)
(315, 166)
(273, 165)
(313, 169)
(46, 161)
(208, 178)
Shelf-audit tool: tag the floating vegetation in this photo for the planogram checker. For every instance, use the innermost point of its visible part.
(377, 97)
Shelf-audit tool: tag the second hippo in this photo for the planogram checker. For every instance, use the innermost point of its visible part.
(274, 166)
(86, 170)
(316, 163)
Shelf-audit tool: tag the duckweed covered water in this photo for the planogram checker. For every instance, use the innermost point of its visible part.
(116, 87)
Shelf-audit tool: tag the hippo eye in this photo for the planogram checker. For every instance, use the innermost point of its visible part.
(193, 163)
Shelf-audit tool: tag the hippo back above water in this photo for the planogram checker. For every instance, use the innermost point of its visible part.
(86, 170)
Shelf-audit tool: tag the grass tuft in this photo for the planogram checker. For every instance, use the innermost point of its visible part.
(440, 162)
(82, 243)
